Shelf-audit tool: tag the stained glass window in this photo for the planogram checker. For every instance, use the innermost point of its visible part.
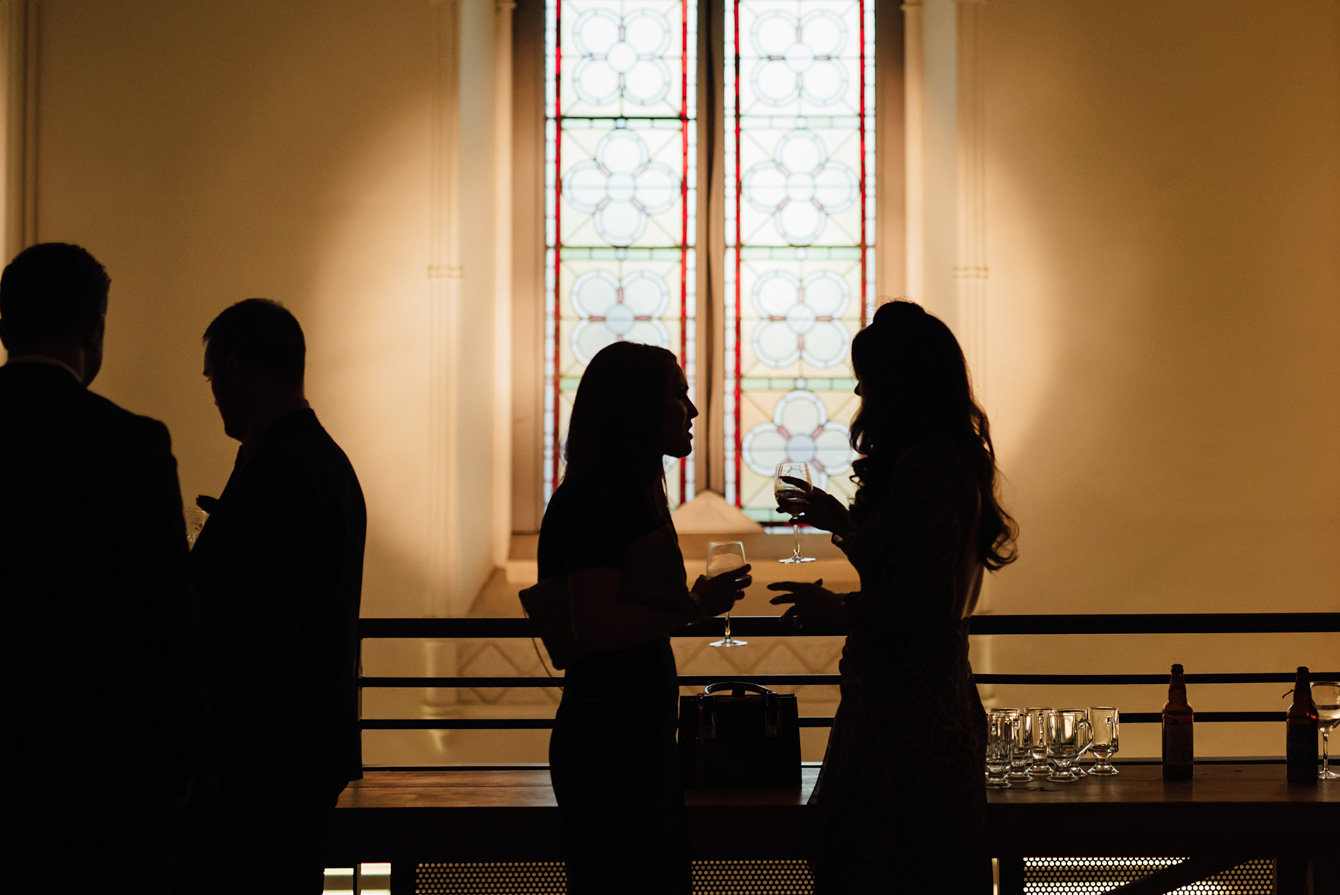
(797, 104)
(800, 267)
(621, 153)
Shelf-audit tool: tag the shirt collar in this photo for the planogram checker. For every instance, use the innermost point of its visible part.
(43, 359)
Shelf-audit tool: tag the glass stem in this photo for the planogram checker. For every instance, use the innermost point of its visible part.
(795, 528)
(1325, 752)
(727, 638)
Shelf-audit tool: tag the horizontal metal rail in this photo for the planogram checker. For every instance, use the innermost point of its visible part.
(772, 626)
(769, 625)
(830, 680)
(805, 721)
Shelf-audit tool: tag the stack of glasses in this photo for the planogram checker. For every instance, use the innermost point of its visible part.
(1040, 743)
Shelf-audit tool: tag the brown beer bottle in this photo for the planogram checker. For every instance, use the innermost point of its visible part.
(1178, 730)
(1301, 732)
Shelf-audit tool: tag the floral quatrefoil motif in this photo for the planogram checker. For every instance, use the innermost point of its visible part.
(621, 186)
(614, 309)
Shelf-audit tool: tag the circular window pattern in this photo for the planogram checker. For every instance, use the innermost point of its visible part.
(614, 309)
(621, 57)
(801, 431)
(800, 319)
(620, 187)
(800, 187)
(799, 57)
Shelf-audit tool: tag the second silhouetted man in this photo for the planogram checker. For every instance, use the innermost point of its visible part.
(278, 568)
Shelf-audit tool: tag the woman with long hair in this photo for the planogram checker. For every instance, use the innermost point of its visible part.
(607, 532)
(900, 802)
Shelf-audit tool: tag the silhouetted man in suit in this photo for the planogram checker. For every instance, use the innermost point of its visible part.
(278, 567)
(103, 696)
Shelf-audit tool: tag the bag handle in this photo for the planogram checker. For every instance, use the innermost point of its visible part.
(737, 688)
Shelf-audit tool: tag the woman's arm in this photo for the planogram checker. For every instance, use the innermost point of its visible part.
(603, 622)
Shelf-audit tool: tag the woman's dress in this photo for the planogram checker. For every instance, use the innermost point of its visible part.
(900, 802)
(612, 755)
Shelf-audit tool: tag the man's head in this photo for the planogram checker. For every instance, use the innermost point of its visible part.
(254, 359)
(53, 302)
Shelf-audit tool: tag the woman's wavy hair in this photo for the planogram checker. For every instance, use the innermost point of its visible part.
(614, 433)
(915, 385)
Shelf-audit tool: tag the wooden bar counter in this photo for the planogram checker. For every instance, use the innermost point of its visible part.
(1226, 812)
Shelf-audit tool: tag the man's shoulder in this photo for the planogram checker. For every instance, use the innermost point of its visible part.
(41, 396)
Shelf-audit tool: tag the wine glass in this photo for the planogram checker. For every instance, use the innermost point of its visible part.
(723, 557)
(781, 489)
(195, 519)
(1106, 721)
(1326, 697)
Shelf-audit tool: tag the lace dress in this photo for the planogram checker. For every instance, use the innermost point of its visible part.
(900, 802)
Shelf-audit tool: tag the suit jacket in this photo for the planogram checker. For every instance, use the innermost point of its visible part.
(279, 570)
(93, 574)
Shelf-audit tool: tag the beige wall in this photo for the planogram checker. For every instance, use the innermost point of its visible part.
(210, 152)
(1163, 225)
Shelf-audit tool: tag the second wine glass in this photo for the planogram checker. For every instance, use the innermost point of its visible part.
(723, 557)
(783, 489)
(1326, 697)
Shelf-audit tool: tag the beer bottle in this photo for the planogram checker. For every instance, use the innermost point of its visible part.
(1301, 732)
(1178, 730)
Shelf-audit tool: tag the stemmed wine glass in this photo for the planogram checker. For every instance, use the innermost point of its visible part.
(1326, 697)
(781, 489)
(723, 557)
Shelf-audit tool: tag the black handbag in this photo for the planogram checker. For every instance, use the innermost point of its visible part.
(736, 733)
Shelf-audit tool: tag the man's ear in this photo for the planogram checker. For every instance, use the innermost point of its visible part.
(4, 335)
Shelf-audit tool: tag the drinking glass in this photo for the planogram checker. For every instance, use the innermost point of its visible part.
(195, 519)
(1019, 754)
(1105, 723)
(723, 557)
(1037, 721)
(1065, 740)
(781, 489)
(999, 745)
(1085, 746)
(1326, 697)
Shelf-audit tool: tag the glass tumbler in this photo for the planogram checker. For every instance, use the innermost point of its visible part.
(1040, 769)
(1105, 722)
(999, 746)
(1066, 738)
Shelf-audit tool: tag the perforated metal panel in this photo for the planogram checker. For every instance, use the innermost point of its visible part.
(1092, 876)
(761, 877)
(709, 878)
(545, 878)
(1042, 876)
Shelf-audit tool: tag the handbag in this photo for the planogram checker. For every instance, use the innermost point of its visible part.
(549, 611)
(736, 733)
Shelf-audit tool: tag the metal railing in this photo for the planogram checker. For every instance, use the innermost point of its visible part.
(771, 626)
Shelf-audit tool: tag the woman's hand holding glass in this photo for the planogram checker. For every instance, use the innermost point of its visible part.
(812, 604)
(723, 585)
(814, 506)
(718, 593)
